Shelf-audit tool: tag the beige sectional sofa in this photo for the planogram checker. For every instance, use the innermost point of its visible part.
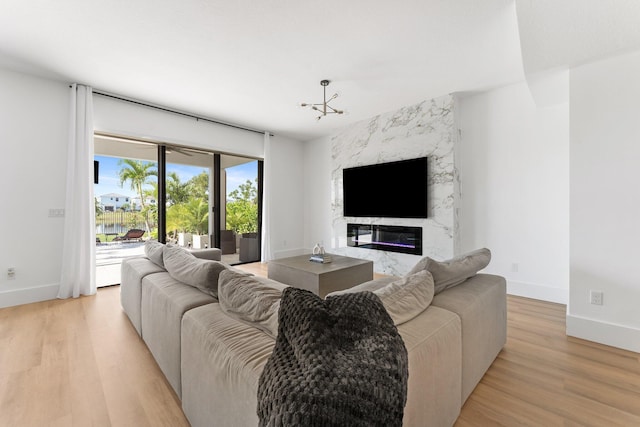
(213, 359)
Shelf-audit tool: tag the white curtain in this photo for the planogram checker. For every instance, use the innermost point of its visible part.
(78, 275)
(267, 251)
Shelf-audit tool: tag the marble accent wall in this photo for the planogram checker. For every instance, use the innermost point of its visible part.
(424, 129)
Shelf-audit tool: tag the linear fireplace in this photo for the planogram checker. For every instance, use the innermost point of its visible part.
(391, 238)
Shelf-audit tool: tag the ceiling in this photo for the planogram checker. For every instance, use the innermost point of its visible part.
(252, 63)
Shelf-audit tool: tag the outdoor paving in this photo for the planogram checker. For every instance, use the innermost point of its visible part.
(115, 252)
(109, 256)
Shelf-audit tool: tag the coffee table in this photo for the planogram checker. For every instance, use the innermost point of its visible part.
(342, 273)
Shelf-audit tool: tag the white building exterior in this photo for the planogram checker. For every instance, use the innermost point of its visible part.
(113, 201)
(136, 205)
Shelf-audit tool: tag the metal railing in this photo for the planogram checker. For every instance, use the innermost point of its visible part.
(121, 221)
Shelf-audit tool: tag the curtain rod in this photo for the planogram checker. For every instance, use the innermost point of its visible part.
(193, 116)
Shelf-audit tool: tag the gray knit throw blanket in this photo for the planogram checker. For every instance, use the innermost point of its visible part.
(336, 362)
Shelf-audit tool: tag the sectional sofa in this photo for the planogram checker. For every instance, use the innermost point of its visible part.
(211, 329)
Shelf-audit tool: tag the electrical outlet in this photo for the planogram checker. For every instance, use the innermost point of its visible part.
(56, 213)
(11, 273)
(596, 297)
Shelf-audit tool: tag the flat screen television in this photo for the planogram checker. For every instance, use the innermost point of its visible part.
(389, 190)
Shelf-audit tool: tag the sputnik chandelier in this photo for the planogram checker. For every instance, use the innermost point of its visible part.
(324, 108)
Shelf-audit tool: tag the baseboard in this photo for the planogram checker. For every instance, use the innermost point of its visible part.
(537, 291)
(606, 333)
(10, 298)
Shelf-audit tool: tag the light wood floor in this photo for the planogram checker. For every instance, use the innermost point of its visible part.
(544, 378)
(79, 363)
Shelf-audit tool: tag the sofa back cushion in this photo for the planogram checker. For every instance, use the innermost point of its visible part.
(154, 251)
(186, 268)
(252, 300)
(447, 274)
(407, 297)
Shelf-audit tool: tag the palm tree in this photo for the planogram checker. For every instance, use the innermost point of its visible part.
(151, 193)
(177, 192)
(198, 215)
(176, 220)
(99, 209)
(139, 174)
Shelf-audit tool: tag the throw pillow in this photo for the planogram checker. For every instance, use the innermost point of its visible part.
(153, 250)
(199, 273)
(251, 300)
(447, 274)
(406, 298)
(403, 298)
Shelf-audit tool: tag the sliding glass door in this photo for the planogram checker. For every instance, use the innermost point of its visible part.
(239, 219)
(125, 203)
(189, 197)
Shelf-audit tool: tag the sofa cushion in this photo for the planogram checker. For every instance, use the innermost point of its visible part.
(186, 268)
(447, 274)
(481, 305)
(222, 360)
(404, 298)
(132, 271)
(251, 300)
(164, 302)
(154, 250)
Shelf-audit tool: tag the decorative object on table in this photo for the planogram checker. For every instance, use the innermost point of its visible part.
(318, 255)
(336, 362)
(325, 108)
(323, 259)
(317, 249)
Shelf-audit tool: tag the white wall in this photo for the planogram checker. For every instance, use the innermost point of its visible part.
(33, 130)
(605, 201)
(514, 161)
(288, 198)
(126, 119)
(317, 188)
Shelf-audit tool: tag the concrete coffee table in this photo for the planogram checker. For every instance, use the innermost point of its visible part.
(342, 273)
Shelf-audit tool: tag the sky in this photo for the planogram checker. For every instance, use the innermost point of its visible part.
(109, 181)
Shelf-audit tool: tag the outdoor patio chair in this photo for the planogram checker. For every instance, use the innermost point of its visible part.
(133, 234)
